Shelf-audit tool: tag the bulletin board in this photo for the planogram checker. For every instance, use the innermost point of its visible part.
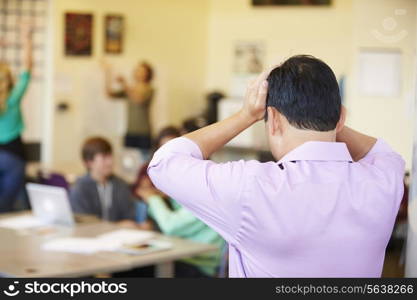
(380, 73)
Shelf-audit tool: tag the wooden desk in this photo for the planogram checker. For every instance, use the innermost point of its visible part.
(162, 259)
(78, 218)
(23, 256)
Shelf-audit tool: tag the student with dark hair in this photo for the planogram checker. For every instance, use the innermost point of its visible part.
(103, 194)
(99, 192)
(325, 208)
(166, 134)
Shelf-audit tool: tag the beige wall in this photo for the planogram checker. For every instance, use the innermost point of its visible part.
(389, 118)
(334, 34)
(321, 31)
(171, 35)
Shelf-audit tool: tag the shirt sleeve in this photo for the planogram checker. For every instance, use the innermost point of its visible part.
(390, 166)
(125, 203)
(383, 157)
(211, 191)
(79, 200)
(128, 210)
(180, 223)
(19, 89)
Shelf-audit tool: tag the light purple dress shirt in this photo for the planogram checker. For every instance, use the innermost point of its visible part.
(315, 213)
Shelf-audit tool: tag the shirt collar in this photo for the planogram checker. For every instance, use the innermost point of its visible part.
(89, 177)
(319, 151)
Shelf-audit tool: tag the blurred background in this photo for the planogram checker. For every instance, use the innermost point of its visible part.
(203, 52)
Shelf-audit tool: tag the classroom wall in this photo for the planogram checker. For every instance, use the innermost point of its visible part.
(285, 30)
(191, 60)
(171, 35)
(334, 34)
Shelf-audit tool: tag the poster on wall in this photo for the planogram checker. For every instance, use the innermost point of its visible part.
(113, 35)
(248, 61)
(379, 73)
(78, 34)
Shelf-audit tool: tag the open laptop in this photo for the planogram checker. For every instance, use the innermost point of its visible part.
(50, 204)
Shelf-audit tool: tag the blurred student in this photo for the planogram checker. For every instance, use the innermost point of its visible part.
(99, 192)
(172, 219)
(325, 208)
(12, 158)
(139, 95)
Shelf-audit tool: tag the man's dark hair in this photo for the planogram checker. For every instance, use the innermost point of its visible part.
(304, 89)
(94, 146)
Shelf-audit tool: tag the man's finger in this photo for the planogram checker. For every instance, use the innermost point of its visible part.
(264, 75)
(252, 84)
(251, 88)
(262, 93)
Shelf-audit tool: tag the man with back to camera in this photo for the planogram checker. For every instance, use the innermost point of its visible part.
(325, 208)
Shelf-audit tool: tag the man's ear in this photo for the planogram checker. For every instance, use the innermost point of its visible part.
(342, 119)
(274, 125)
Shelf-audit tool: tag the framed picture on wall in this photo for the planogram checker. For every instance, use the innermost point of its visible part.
(248, 57)
(113, 34)
(78, 34)
(248, 62)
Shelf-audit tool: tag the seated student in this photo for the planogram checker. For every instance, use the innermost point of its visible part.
(325, 208)
(172, 219)
(99, 192)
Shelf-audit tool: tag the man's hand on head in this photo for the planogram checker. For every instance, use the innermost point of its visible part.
(255, 98)
(211, 138)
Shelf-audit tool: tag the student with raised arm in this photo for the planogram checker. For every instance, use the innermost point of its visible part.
(12, 158)
(139, 97)
(325, 208)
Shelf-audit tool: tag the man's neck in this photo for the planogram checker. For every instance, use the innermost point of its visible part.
(297, 137)
(301, 136)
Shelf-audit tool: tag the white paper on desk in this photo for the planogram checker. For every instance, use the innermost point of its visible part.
(73, 245)
(21, 222)
(110, 241)
(122, 237)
